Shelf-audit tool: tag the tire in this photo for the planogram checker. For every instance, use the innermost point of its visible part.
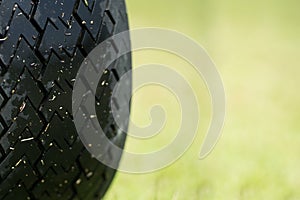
(42, 45)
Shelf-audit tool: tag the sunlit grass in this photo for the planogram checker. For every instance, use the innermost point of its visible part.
(256, 46)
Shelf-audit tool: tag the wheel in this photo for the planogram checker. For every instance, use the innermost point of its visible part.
(42, 46)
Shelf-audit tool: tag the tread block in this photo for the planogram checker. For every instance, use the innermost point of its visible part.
(27, 88)
(52, 133)
(19, 27)
(54, 188)
(29, 120)
(107, 27)
(61, 71)
(58, 37)
(1, 129)
(7, 9)
(29, 149)
(58, 101)
(89, 16)
(53, 10)
(1, 100)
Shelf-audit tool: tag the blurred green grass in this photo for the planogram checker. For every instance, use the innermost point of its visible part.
(256, 47)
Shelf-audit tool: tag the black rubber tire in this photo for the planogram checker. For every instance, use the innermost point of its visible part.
(42, 45)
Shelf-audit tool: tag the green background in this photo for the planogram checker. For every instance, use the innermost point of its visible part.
(256, 47)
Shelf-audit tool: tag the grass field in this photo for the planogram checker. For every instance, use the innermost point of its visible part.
(256, 47)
